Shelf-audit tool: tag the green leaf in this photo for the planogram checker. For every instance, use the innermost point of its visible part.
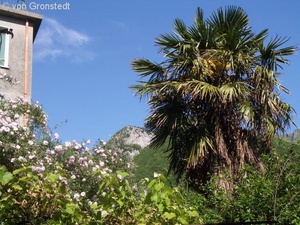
(152, 182)
(70, 209)
(120, 202)
(159, 186)
(154, 197)
(5, 177)
(160, 207)
(123, 174)
(23, 169)
(53, 177)
(193, 213)
(169, 216)
(17, 187)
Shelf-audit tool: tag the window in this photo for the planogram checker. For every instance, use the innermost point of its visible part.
(4, 46)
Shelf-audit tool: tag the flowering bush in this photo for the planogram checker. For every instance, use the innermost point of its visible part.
(46, 181)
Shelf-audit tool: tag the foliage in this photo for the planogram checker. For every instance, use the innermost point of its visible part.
(45, 181)
(271, 195)
(156, 203)
(253, 198)
(28, 198)
(149, 161)
(216, 96)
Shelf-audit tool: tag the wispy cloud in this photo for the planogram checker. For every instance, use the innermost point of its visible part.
(55, 40)
(120, 25)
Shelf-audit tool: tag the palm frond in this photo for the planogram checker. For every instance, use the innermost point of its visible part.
(145, 68)
(198, 150)
(234, 90)
(201, 89)
(233, 18)
(271, 56)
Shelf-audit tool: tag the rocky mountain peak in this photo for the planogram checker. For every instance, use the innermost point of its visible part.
(130, 139)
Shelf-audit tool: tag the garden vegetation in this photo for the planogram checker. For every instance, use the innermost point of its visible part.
(215, 112)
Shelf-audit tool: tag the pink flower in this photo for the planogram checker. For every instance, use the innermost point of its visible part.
(8, 119)
(38, 169)
(71, 159)
(81, 160)
(59, 148)
(90, 162)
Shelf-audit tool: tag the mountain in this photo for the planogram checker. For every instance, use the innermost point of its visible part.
(292, 136)
(130, 139)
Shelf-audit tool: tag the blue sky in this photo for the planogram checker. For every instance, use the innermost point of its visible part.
(81, 69)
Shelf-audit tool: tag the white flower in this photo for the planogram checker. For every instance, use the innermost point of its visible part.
(76, 196)
(22, 159)
(156, 175)
(68, 144)
(73, 177)
(104, 213)
(82, 194)
(56, 136)
(119, 177)
(95, 203)
(45, 142)
(30, 142)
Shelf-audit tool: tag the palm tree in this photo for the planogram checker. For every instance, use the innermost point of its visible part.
(216, 96)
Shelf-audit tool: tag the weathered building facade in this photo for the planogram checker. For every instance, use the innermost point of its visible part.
(18, 29)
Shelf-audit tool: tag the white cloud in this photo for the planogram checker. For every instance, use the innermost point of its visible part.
(55, 40)
(121, 25)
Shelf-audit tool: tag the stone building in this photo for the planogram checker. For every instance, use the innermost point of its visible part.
(18, 29)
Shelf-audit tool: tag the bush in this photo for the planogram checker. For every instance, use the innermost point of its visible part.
(273, 195)
(45, 181)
